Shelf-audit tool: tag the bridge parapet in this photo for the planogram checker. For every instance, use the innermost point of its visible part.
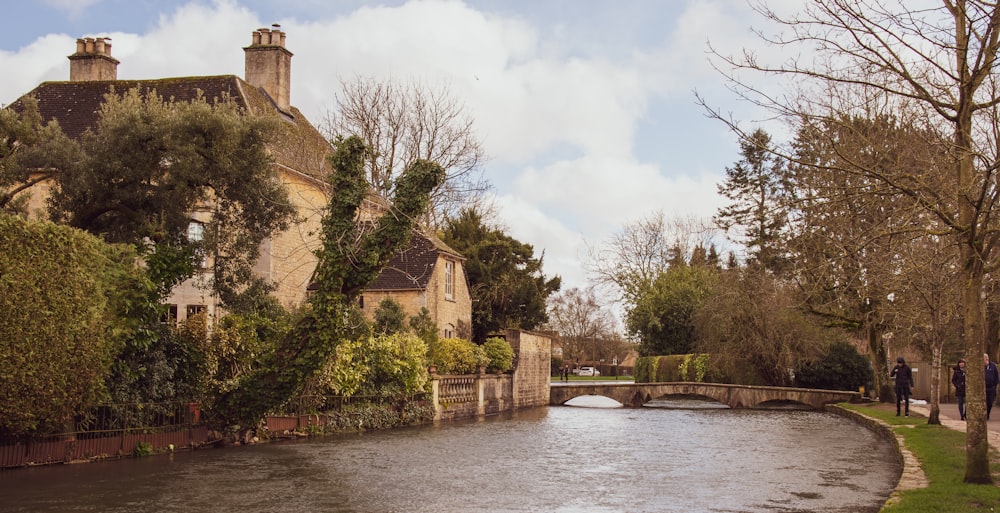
(735, 396)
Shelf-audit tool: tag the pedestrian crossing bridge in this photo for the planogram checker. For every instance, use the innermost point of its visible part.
(735, 396)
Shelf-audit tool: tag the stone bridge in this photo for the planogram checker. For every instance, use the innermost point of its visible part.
(735, 396)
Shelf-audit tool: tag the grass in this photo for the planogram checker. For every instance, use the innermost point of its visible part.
(941, 452)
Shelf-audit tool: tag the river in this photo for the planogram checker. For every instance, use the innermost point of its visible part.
(660, 458)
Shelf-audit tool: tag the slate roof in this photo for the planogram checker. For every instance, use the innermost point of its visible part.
(411, 268)
(75, 105)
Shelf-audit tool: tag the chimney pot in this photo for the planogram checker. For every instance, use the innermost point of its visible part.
(93, 60)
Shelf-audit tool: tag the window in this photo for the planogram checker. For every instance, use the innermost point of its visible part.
(193, 310)
(449, 331)
(196, 231)
(449, 279)
(169, 315)
(196, 235)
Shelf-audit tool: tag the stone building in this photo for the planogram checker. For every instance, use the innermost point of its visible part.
(428, 274)
(300, 153)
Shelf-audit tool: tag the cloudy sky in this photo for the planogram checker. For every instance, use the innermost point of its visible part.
(586, 107)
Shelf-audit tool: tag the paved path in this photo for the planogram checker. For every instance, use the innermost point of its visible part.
(951, 419)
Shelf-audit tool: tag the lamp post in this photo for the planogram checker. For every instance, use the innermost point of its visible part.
(614, 361)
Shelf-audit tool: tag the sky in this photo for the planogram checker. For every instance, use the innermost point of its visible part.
(586, 108)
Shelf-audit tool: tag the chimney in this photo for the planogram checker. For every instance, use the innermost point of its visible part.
(269, 64)
(93, 60)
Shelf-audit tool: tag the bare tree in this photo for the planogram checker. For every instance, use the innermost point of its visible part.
(403, 123)
(938, 62)
(927, 301)
(631, 259)
(754, 329)
(584, 326)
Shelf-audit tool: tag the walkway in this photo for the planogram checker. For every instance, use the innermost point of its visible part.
(951, 419)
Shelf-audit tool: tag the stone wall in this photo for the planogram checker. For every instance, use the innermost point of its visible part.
(533, 353)
(476, 395)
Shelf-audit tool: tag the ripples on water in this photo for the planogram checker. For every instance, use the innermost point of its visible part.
(561, 459)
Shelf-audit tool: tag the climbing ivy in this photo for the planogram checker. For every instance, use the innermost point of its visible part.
(353, 253)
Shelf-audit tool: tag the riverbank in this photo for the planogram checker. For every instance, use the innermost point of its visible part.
(933, 461)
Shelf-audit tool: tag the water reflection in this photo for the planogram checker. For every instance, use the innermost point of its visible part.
(700, 458)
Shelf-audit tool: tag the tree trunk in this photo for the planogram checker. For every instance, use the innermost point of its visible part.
(977, 468)
(935, 400)
(880, 364)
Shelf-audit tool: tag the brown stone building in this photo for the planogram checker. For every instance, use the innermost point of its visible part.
(300, 153)
(428, 274)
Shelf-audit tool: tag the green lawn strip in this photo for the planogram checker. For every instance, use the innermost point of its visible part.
(941, 452)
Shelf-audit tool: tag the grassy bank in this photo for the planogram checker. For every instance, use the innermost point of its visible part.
(941, 452)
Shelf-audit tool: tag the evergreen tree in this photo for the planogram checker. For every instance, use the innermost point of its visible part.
(506, 282)
(754, 188)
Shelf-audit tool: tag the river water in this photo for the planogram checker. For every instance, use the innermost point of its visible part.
(559, 459)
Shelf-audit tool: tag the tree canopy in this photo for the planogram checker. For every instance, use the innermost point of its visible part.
(506, 282)
(663, 319)
(151, 165)
(31, 153)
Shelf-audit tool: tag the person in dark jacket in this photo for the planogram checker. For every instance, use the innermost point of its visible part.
(992, 380)
(904, 382)
(958, 380)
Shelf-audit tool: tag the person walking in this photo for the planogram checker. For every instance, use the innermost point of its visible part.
(958, 380)
(992, 380)
(904, 381)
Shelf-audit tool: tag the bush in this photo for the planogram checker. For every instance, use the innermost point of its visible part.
(58, 295)
(671, 368)
(500, 354)
(392, 366)
(456, 356)
(842, 368)
(389, 317)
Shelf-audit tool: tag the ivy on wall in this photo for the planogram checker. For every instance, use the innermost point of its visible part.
(353, 253)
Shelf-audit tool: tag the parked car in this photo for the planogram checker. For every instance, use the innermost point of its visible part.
(587, 371)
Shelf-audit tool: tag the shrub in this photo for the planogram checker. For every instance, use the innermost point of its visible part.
(500, 354)
(393, 366)
(686, 367)
(60, 325)
(842, 368)
(389, 317)
(456, 356)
